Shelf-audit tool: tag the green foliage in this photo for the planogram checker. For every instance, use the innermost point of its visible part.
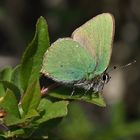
(52, 110)
(116, 128)
(65, 93)
(70, 129)
(32, 58)
(23, 109)
(10, 106)
(31, 97)
(15, 77)
(5, 74)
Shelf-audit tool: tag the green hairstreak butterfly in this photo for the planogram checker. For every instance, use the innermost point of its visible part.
(83, 59)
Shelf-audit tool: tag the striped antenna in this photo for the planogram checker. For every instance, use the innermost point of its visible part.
(121, 67)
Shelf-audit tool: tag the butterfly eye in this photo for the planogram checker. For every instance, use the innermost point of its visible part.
(105, 78)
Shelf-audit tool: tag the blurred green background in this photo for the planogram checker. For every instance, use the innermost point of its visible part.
(120, 120)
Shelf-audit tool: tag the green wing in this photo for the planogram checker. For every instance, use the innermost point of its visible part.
(67, 61)
(96, 36)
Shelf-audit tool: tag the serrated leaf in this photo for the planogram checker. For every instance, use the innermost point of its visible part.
(52, 110)
(31, 98)
(10, 106)
(5, 74)
(65, 93)
(33, 55)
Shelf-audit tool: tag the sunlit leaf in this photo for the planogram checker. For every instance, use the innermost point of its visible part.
(33, 55)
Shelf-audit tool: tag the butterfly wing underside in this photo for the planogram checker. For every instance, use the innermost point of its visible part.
(96, 36)
(67, 61)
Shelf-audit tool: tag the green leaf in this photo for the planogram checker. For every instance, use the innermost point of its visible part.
(8, 85)
(5, 74)
(31, 97)
(14, 133)
(25, 121)
(6, 82)
(65, 93)
(52, 110)
(10, 106)
(33, 55)
(27, 118)
(15, 77)
(2, 90)
(32, 113)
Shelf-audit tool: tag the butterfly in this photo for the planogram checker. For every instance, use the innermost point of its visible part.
(83, 59)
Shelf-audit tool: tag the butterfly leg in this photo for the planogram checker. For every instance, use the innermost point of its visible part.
(72, 93)
(88, 87)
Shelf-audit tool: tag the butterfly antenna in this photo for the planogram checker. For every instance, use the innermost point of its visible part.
(122, 67)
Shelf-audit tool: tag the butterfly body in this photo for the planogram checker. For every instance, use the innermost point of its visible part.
(81, 61)
(96, 84)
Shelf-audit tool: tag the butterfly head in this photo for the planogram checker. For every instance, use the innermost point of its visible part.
(99, 82)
